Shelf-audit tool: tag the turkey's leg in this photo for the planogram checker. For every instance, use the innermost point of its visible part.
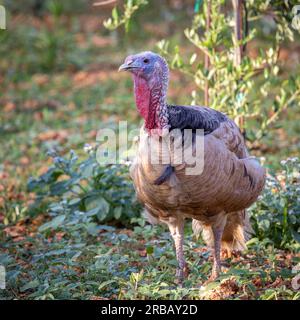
(217, 230)
(176, 227)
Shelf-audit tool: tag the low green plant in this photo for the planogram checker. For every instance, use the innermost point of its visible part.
(276, 216)
(75, 188)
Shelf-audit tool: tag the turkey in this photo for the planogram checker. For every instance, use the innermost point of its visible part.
(217, 196)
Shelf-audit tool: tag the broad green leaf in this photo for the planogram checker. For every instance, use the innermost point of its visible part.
(105, 283)
(30, 285)
(53, 224)
(117, 212)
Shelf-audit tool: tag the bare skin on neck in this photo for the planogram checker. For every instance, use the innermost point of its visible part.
(150, 103)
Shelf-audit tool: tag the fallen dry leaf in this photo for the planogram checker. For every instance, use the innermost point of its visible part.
(60, 135)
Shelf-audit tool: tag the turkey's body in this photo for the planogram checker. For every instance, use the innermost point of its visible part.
(216, 196)
(230, 182)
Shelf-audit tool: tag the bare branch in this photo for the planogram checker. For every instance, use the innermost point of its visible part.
(103, 3)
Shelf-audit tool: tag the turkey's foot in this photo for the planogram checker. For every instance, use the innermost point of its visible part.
(214, 274)
(217, 232)
(212, 278)
(181, 274)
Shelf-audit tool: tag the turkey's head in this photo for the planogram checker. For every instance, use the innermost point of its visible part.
(147, 65)
(151, 76)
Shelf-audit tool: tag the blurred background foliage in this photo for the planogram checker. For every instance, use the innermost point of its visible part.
(60, 85)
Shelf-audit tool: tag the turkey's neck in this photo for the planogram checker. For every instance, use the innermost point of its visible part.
(151, 104)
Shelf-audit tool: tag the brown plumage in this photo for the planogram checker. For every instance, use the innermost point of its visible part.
(217, 197)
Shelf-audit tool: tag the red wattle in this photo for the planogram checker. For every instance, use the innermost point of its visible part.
(143, 102)
(142, 96)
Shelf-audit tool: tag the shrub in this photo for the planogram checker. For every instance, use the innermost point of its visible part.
(276, 216)
(103, 193)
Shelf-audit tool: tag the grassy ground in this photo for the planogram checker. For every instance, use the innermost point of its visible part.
(136, 264)
(59, 85)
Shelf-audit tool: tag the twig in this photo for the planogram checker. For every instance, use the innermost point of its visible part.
(103, 3)
(276, 114)
(285, 106)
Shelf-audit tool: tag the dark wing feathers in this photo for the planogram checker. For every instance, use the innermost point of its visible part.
(190, 117)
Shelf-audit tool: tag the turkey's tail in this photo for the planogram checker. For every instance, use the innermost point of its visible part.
(236, 233)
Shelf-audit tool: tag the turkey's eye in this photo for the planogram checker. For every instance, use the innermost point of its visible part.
(146, 60)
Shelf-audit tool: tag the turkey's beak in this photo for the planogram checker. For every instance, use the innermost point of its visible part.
(123, 67)
(129, 65)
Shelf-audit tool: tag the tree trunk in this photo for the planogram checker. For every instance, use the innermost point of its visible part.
(238, 29)
(206, 57)
(239, 48)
